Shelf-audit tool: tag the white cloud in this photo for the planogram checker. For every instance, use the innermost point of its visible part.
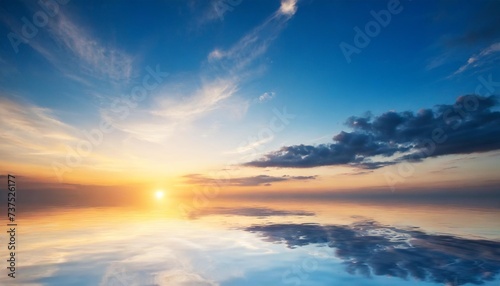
(266, 96)
(252, 146)
(81, 53)
(255, 43)
(31, 130)
(97, 58)
(216, 9)
(491, 49)
(288, 7)
(204, 100)
(175, 110)
(35, 136)
(479, 59)
(215, 55)
(437, 61)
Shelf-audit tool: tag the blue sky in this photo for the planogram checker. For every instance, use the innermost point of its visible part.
(223, 71)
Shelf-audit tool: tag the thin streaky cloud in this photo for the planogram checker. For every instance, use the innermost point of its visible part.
(173, 110)
(33, 134)
(202, 101)
(80, 51)
(98, 58)
(30, 129)
(255, 43)
(176, 108)
(255, 145)
(479, 59)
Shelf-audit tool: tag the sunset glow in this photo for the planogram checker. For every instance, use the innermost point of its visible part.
(159, 194)
(224, 142)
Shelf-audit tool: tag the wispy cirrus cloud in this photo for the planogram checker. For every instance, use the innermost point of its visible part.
(217, 9)
(255, 43)
(38, 136)
(480, 34)
(485, 56)
(32, 131)
(205, 99)
(93, 56)
(177, 106)
(76, 53)
(251, 145)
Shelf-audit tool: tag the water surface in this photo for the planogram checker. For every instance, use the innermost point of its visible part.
(257, 243)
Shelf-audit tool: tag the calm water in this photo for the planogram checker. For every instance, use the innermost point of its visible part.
(254, 243)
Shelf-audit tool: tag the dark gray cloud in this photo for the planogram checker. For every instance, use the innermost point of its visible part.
(368, 248)
(251, 212)
(470, 125)
(483, 26)
(261, 180)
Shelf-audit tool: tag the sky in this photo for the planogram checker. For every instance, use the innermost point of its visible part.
(266, 97)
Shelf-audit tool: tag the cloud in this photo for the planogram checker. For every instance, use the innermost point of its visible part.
(482, 25)
(216, 9)
(437, 61)
(261, 180)
(255, 43)
(215, 55)
(266, 96)
(350, 148)
(205, 99)
(220, 79)
(368, 248)
(72, 48)
(288, 7)
(483, 57)
(32, 131)
(251, 146)
(480, 33)
(96, 57)
(396, 136)
(175, 107)
(36, 136)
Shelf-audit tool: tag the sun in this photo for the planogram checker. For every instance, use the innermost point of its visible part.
(159, 194)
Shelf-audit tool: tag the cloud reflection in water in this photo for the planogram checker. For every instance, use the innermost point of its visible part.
(368, 248)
